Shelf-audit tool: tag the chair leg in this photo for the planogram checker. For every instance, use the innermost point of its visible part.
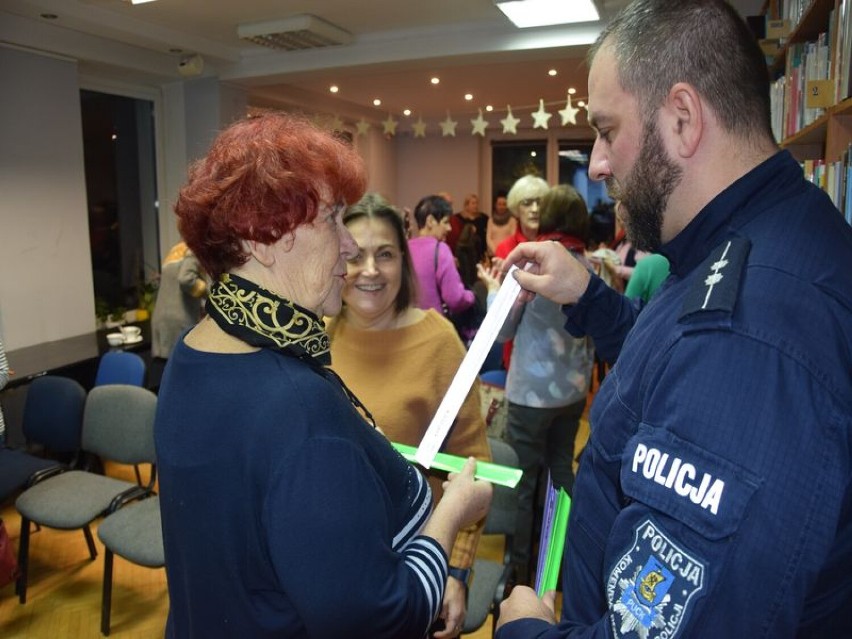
(23, 560)
(106, 600)
(138, 474)
(90, 542)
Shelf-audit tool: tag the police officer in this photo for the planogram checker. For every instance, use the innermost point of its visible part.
(713, 498)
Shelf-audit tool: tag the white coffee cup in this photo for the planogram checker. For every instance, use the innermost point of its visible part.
(115, 339)
(131, 333)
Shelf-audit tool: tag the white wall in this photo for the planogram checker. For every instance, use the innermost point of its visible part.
(428, 165)
(46, 289)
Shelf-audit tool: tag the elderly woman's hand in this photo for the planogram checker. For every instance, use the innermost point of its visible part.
(469, 498)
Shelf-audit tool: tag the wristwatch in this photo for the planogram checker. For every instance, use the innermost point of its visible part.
(462, 574)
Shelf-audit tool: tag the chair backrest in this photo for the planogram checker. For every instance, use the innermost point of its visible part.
(120, 367)
(504, 501)
(53, 413)
(495, 377)
(118, 423)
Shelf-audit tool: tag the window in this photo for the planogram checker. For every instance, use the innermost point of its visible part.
(512, 160)
(118, 148)
(574, 170)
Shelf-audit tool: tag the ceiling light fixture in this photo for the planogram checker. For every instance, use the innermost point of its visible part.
(140, 1)
(377, 102)
(435, 80)
(334, 88)
(552, 72)
(291, 34)
(541, 13)
(468, 96)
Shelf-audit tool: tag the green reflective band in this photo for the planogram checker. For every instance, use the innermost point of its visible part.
(493, 473)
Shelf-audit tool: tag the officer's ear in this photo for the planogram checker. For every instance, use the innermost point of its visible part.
(683, 119)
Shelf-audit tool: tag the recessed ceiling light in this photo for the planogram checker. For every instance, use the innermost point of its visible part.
(435, 80)
(406, 112)
(488, 107)
(552, 72)
(540, 13)
(533, 154)
(140, 1)
(468, 96)
(334, 88)
(581, 104)
(377, 102)
(572, 91)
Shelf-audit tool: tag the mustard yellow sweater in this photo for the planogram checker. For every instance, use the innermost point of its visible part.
(401, 375)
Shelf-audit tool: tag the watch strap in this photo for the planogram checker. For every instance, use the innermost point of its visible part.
(462, 574)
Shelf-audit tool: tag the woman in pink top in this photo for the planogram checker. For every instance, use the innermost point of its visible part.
(437, 276)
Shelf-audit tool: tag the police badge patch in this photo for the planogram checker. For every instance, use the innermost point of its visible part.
(652, 586)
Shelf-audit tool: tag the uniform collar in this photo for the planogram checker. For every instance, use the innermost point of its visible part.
(755, 192)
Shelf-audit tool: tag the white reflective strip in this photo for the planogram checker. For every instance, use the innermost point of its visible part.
(468, 370)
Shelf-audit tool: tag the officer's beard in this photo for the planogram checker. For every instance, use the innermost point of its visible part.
(646, 191)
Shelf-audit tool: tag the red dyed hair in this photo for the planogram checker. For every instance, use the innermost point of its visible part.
(263, 177)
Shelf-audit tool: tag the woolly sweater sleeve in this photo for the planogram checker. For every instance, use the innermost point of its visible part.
(342, 553)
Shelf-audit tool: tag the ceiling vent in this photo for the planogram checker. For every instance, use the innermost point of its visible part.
(293, 34)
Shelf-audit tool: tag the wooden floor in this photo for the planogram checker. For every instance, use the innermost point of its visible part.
(64, 593)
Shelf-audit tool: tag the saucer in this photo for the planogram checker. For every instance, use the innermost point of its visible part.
(133, 340)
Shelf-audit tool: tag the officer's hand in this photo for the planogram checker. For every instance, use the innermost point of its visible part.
(523, 603)
(547, 269)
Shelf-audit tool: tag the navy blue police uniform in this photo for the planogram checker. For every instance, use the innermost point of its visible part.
(713, 498)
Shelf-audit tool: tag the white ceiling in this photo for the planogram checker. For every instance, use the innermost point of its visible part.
(398, 46)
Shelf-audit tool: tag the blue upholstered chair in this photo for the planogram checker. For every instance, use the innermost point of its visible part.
(52, 422)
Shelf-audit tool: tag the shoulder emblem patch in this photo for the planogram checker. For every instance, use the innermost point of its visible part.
(718, 279)
(652, 585)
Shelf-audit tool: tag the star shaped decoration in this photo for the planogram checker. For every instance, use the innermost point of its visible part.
(510, 122)
(448, 126)
(541, 116)
(479, 124)
(363, 126)
(390, 125)
(336, 124)
(569, 113)
(419, 128)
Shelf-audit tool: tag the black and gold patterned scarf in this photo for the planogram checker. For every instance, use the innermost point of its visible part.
(261, 318)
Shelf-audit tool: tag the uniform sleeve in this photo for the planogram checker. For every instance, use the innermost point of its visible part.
(331, 544)
(603, 314)
(452, 290)
(734, 483)
(733, 489)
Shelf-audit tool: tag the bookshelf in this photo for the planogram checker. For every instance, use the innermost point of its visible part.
(809, 51)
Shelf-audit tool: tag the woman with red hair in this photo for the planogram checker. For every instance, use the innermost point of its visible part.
(285, 513)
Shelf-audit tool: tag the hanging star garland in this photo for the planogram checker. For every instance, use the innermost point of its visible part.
(363, 126)
(419, 128)
(337, 123)
(510, 122)
(390, 125)
(541, 116)
(479, 125)
(569, 113)
(448, 126)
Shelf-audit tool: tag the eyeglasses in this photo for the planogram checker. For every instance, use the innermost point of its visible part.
(530, 201)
